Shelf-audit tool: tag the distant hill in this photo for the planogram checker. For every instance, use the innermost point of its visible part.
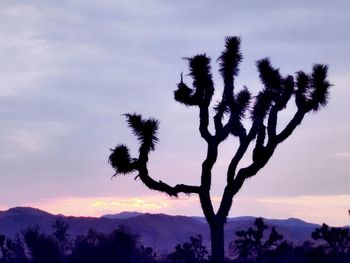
(122, 215)
(162, 232)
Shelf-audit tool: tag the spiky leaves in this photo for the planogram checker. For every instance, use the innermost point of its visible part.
(235, 110)
(120, 160)
(288, 90)
(144, 130)
(242, 101)
(313, 89)
(202, 82)
(320, 85)
(270, 77)
(261, 106)
(222, 108)
(302, 94)
(279, 88)
(183, 94)
(229, 62)
(239, 105)
(272, 90)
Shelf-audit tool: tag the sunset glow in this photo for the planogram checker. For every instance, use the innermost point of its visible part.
(309, 208)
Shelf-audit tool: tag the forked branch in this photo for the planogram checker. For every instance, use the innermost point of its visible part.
(146, 133)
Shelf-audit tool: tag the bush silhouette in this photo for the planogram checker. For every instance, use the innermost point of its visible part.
(190, 252)
(252, 244)
(119, 246)
(335, 240)
(42, 248)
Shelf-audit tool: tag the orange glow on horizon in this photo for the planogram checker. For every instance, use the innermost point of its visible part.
(332, 210)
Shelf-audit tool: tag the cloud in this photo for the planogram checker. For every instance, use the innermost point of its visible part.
(24, 54)
(311, 201)
(133, 203)
(318, 209)
(342, 155)
(30, 136)
(97, 206)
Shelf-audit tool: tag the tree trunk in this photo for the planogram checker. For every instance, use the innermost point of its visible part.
(217, 242)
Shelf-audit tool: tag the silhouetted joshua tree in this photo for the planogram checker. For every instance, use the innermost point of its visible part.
(61, 235)
(12, 251)
(336, 239)
(251, 244)
(190, 252)
(43, 248)
(232, 113)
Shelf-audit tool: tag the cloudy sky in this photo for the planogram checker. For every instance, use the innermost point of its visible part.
(69, 69)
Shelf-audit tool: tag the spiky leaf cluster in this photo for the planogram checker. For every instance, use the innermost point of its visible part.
(242, 101)
(276, 89)
(230, 59)
(261, 106)
(303, 91)
(320, 86)
(183, 94)
(144, 130)
(222, 108)
(234, 104)
(120, 160)
(288, 90)
(270, 77)
(203, 89)
(312, 89)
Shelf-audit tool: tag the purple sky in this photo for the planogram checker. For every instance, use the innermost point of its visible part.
(69, 69)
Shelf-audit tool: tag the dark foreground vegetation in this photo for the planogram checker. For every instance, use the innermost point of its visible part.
(258, 244)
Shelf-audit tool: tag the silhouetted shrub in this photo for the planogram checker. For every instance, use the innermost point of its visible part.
(335, 240)
(12, 251)
(42, 248)
(61, 235)
(120, 246)
(251, 245)
(190, 252)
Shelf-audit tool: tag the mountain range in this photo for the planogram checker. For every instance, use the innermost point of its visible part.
(160, 231)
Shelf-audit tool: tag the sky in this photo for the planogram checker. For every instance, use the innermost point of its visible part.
(70, 69)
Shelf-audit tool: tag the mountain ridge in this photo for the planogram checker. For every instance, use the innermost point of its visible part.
(160, 231)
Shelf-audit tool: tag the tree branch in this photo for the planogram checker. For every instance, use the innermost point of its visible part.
(232, 188)
(204, 122)
(296, 120)
(141, 167)
(165, 188)
(261, 155)
(259, 161)
(272, 122)
(218, 121)
(206, 177)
